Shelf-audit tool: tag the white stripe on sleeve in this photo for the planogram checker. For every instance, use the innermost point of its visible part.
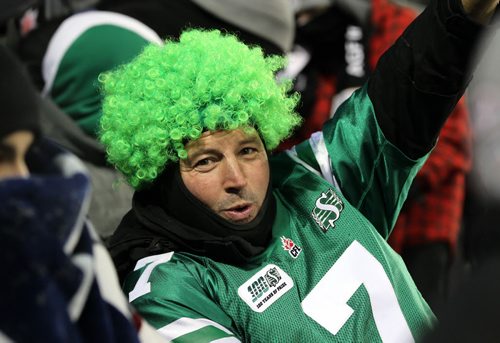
(317, 142)
(185, 325)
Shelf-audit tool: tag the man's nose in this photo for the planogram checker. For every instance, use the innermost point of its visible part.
(234, 176)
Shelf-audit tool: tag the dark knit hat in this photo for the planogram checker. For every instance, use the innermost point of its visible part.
(18, 99)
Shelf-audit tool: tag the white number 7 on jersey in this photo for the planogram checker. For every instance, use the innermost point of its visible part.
(143, 286)
(327, 301)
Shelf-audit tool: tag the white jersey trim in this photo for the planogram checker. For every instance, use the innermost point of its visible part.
(292, 153)
(318, 146)
(317, 142)
(184, 326)
(227, 340)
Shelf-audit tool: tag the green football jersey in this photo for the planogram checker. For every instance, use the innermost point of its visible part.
(328, 274)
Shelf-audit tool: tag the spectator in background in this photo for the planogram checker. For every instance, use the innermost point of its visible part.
(59, 282)
(328, 59)
(345, 42)
(266, 23)
(83, 46)
(32, 24)
(73, 50)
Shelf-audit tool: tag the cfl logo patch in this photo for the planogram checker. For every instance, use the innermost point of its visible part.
(292, 248)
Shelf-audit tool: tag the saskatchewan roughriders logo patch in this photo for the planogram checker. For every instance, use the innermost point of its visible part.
(265, 287)
(327, 209)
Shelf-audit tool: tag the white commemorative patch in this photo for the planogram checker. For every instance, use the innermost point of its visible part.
(265, 287)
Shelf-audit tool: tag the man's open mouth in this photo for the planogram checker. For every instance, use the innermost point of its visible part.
(239, 212)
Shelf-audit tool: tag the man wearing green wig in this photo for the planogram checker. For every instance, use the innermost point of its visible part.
(227, 242)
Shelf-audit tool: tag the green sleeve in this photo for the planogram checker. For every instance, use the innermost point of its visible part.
(169, 293)
(371, 173)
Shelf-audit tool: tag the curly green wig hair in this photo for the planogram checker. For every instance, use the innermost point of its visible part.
(171, 94)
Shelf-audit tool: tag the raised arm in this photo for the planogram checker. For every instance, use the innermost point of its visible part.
(420, 79)
(414, 88)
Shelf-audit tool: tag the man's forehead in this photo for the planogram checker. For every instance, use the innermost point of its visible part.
(209, 138)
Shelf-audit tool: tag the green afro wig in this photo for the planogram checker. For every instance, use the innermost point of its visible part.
(171, 94)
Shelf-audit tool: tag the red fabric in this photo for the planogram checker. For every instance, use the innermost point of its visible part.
(388, 23)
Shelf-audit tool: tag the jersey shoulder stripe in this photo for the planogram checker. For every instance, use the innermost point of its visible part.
(204, 329)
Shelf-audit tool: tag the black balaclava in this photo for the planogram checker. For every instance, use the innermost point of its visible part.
(19, 100)
(185, 207)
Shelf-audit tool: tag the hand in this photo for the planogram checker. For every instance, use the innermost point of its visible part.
(480, 10)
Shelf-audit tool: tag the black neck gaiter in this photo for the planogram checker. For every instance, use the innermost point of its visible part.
(181, 204)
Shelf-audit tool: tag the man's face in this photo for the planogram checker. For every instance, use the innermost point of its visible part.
(13, 150)
(228, 171)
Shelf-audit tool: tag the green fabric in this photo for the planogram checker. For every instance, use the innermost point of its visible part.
(98, 49)
(206, 334)
(364, 163)
(350, 256)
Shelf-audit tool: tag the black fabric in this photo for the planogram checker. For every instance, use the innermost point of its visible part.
(13, 8)
(61, 128)
(471, 314)
(325, 38)
(481, 235)
(429, 266)
(31, 49)
(20, 105)
(412, 114)
(178, 222)
(169, 18)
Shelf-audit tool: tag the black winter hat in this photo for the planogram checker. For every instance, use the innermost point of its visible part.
(19, 102)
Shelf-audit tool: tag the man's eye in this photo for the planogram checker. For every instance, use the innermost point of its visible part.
(248, 150)
(203, 164)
